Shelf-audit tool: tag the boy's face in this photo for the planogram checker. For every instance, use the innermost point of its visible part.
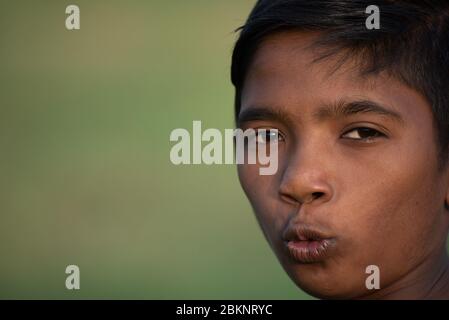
(369, 196)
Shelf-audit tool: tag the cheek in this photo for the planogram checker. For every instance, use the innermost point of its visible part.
(406, 206)
(394, 204)
(262, 193)
(249, 180)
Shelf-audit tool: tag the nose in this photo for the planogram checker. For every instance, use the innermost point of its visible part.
(306, 179)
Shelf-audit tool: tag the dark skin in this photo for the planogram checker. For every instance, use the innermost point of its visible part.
(369, 179)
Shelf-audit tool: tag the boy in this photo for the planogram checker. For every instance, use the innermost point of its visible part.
(362, 120)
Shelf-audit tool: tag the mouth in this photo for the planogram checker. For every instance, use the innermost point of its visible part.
(308, 245)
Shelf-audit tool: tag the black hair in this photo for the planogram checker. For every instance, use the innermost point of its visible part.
(412, 44)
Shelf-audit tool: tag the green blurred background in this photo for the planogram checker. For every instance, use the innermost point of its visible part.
(85, 175)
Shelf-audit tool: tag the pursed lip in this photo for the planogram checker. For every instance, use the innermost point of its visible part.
(307, 244)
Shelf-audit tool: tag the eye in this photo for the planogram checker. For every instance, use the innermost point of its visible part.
(267, 136)
(363, 133)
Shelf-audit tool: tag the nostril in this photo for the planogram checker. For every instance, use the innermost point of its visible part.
(316, 195)
(289, 199)
(312, 197)
(297, 199)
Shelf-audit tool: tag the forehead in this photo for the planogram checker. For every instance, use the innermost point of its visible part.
(285, 75)
(279, 50)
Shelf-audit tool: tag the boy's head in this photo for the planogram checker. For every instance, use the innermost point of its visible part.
(363, 140)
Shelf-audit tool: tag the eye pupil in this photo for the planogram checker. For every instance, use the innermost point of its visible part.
(271, 135)
(363, 133)
(267, 136)
(367, 132)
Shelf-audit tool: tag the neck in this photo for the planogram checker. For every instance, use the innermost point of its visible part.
(428, 280)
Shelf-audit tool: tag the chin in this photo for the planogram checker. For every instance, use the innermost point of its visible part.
(323, 283)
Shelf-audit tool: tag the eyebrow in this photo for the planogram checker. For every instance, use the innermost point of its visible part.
(262, 113)
(345, 108)
(339, 109)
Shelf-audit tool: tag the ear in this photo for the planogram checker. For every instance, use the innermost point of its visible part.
(446, 199)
